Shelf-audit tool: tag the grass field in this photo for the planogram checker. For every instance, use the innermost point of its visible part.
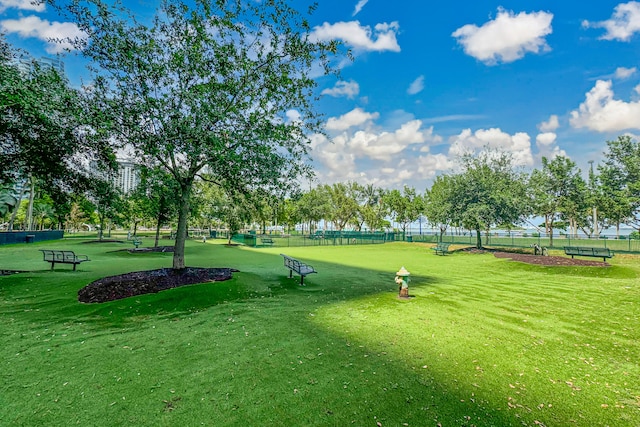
(483, 342)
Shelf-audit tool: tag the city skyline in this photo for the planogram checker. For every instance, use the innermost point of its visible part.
(431, 81)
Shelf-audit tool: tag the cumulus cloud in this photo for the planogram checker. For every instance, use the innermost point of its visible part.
(354, 118)
(624, 73)
(359, 150)
(601, 113)
(33, 26)
(359, 7)
(550, 125)
(416, 86)
(506, 38)
(349, 89)
(22, 5)
(519, 144)
(622, 25)
(381, 38)
(546, 139)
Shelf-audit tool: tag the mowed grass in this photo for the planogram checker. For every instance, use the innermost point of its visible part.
(484, 341)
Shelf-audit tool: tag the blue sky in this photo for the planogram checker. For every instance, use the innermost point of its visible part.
(431, 80)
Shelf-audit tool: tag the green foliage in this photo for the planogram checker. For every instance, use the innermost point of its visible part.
(557, 192)
(488, 192)
(42, 127)
(206, 84)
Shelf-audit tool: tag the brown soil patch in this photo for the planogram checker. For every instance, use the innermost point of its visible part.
(549, 260)
(151, 281)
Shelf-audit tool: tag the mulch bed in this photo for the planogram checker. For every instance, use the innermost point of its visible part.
(520, 255)
(549, 260)
(147, 282)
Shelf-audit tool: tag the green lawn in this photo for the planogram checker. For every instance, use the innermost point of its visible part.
(484, 341)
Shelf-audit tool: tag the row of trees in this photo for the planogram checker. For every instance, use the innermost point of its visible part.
(487, 191)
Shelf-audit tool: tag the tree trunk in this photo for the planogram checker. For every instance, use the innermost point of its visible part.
(17, 206)
(32, 196)
(478, 238)
(181, 232)
(155, 244)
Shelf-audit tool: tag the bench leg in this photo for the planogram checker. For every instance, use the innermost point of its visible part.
(52, 264)
(290, 274)
(74, 266)
(301, 280)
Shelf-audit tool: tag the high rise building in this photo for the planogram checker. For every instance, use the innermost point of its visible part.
(26, 63)
(127, 177)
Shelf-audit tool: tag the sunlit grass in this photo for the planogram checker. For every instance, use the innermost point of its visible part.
(484, 341)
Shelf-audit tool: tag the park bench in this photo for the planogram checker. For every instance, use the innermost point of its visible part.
(136, 242)
(63, 257)
(441, 248)
(267, 241)
(603, 253)
(299, 267)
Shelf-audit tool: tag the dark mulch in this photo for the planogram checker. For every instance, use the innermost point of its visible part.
(549, 260)
(147, 282)
(104, 241)
(521, 255)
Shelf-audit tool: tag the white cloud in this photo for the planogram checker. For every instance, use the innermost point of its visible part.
(367, 154)
(550, 125)
(33, 26)
(359, 37)
(293, 116)
(601, 113)
(519, 144)
(624, 73)
(22, 5)
(622, 25)
(349, 89)
(417, 86)
(354, 118)
(507, 38)
(359, 7)
(546, 139)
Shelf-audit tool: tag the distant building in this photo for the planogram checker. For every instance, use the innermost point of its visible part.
(26, 63)
(127, 178)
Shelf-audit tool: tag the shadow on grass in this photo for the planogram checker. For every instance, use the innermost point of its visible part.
(362, 380)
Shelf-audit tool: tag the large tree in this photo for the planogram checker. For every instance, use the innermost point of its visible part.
(488, 192)
(405, 207)
(439, 200)
(556, 191)
(207, 84)
(620, 173)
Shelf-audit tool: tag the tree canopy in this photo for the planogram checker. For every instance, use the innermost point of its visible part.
(221, 86)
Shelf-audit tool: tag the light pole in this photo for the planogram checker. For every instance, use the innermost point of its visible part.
(593, 191)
